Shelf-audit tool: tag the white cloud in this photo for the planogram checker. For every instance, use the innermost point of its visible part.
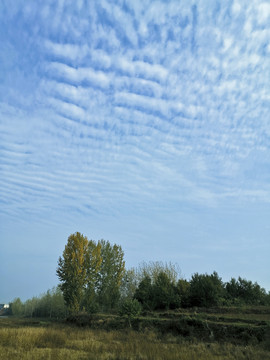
(236, 7)
(115, 100)
(264, 13)
(122, 19)
(79, 75)
(69, 109)
(101, 59)
(143, 69)
(141, 86)
(146, 102)
(69, 51)
(227, 44)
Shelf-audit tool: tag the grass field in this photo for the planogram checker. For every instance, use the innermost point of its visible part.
(36, 339)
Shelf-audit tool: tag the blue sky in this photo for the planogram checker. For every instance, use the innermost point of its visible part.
(146, 123)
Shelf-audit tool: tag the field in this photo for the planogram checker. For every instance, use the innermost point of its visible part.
(216, 334)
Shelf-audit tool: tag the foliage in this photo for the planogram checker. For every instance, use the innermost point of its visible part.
(152, 269)
(182, 289)
(205, 290)
(93, 266)
(90, 273)
(159, 294)
(51, 305)
(72, 270)
(157, 285)
(109, 277)
(144, 293)
(93, 277)
(131, 309)
(245, 292)
(29, 306)
(128, 284)
(17, 307)
(164, 293)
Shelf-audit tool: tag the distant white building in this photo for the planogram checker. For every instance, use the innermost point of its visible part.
(4, 306)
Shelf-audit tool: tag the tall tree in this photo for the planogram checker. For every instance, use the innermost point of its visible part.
(128, 284)
(72, 270)
(90, 273)
(93, 266)
(144, 293)
(110, 275)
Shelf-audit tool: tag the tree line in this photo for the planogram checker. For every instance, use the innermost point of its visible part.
(93, 277)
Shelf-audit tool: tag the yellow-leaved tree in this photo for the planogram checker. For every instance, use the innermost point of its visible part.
(90, 273)
(72, 270)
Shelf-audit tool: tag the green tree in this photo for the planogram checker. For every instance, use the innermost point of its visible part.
(164, 292)
(43, 306)
(144, 293)
(72, 271)
(182, 289)
(30, 307)
(232, 291)
(58, 307)
(51, 304)
(17, 307)
(93, 266)
(205, 290)
(243, 291)
(109, 277)
(90, 273)
(128, 284)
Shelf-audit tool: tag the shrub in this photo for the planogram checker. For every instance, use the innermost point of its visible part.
(131, 308)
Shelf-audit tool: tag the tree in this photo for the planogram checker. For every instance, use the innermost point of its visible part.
(128, 284)
(30, 306)
(205, 290)
(51, 304)
(58, 308)
(90, 273)
(164, 291)
(182, 289)
(154, 268)
(243, 291)
(17, 307)
(93, 266)
(72, 271)
(232, 291)
(109, 277)
(144, 293)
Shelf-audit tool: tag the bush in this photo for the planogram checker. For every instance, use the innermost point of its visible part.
(131, 308)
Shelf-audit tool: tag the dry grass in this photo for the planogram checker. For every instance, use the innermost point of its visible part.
(62, 342)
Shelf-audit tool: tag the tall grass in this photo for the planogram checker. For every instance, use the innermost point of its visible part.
(62, 342)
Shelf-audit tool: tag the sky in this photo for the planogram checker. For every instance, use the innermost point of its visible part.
(145, 123)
